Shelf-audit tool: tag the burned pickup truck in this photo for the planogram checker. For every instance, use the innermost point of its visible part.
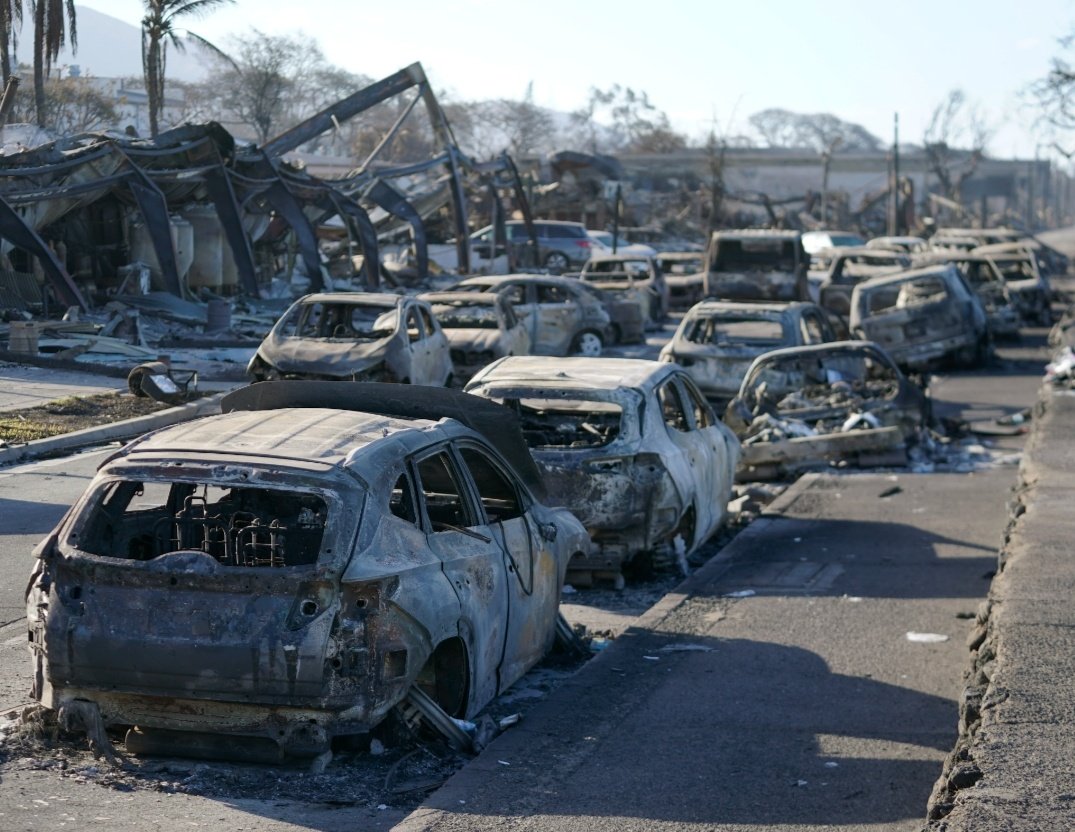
(808, 406)
(757, 265)
(629, 446)
(292, 570)
(921, 317)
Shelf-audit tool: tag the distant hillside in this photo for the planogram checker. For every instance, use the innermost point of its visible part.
(110, 48)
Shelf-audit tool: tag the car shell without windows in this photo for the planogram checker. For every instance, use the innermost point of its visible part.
(561, 314)
(716, 341)
(630, 274)
(480, 327)
(803, 407)
(630, 446)
(922, 316)
(982, 275)
(851, 266)
(1027, 286)
(356, 336)
(288, 574)
(684, 273)
(757, 264)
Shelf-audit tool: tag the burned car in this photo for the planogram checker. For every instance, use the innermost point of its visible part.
(289, 571)
(684, 273)
(982, 275)
(630, 446)
(851, 266)
(631, 273)
(757, 265)
(922, 316)
(480, 326)
(1029, 289)
(356, 336)
(807, 406)
(562, 316)
(717, 341)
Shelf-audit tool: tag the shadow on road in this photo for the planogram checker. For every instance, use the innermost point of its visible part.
(30, 516)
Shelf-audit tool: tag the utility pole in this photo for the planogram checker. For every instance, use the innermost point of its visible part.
(898, 224)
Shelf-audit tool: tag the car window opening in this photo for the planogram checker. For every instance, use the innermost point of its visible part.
(238, 526)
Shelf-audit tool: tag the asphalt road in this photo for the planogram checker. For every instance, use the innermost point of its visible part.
(802, 706)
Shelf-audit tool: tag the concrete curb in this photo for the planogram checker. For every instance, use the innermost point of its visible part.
(115, 431)
(515, 743)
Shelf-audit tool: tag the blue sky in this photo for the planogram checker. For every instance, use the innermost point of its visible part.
(698, 61)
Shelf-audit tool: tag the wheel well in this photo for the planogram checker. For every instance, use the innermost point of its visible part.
(446, 676)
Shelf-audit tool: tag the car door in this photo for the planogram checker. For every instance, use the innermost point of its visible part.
(473, 561)
(440, 357)
(533, 585)
(522, 299)
(513, 332)
(421, 369)
(558, 320)
(720, 439)
(693, 465)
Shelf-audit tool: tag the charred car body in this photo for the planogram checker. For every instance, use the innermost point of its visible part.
(851, 266)
(802, 406)
(480, 327)
(982, 275)
(684, 273)
(289, 574)
(757, 265)
(1028, 288)
(630, 273)
(356, 336)
(922, 316)
(630, 446)
(717, 341)
(563, 317)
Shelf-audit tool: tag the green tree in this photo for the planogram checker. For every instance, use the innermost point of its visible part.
(52, 19)
(160, 27)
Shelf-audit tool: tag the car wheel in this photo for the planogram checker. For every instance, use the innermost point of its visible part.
(557, 262)
(434, 718)
(588, 344)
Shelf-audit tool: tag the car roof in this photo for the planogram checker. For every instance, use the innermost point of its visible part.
(372, 298)
(322, 435)
(712, 307)
(679, 255)
(940, 270)
(829, 347)
(619, 258)
(591, 373)
(753, 233)
(497, 279)
(465, 298)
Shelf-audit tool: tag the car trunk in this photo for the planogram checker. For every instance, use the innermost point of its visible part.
(184, 625)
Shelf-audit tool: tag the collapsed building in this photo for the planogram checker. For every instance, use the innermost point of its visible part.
(95, 216)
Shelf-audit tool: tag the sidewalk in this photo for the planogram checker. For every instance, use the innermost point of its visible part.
(22, 387)
(1012, 766)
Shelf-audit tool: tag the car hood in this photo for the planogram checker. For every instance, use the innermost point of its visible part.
(474, 339)
(324, 356)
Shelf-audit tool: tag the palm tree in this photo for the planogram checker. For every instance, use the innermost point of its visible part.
(158, 30)
(51, 19)
(10, 25)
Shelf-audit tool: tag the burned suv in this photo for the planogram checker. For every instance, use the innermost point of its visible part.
(757, 265)
(290, 570)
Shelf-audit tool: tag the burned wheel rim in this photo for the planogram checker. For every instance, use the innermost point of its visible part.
(588, 344)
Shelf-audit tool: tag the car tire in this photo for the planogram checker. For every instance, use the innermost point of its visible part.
(557, 262)
(588, 344)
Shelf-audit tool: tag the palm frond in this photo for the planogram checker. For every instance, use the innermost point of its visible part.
(198, 39)
(194, 8)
